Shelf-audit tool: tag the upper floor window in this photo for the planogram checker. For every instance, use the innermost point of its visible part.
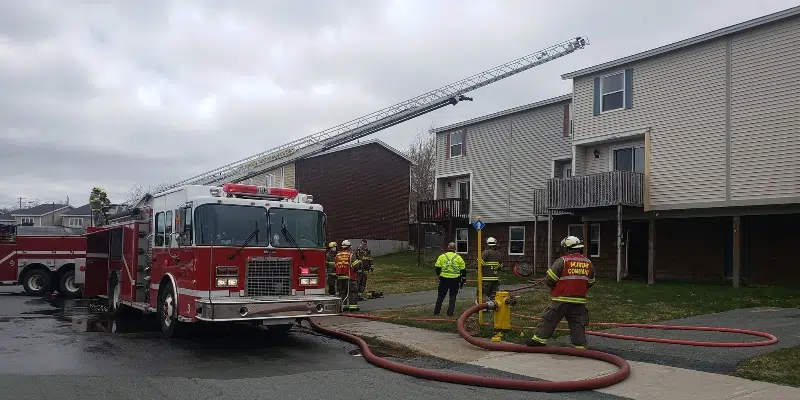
(75, 222)
(26, 221)
(613, 92)
(457, 144)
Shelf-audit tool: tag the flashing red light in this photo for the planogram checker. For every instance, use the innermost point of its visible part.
(255, 190)
(305, 270)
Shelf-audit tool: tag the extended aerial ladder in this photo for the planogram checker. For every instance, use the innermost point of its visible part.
(352, 130)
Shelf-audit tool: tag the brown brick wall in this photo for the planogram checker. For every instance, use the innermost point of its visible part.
(769, 244)
(500, 232)
(364, 191)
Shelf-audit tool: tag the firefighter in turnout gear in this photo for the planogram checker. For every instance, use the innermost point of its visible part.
(330, 268)
(98, 199)
(347, 266)
(570, 278)
(452, 273)
(365, 255)
(492, 262)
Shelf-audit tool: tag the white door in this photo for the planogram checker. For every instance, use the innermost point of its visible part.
(566, 171)
(463, 193)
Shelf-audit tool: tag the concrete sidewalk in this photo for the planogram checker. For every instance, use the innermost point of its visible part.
(647, 381)
(400, 300)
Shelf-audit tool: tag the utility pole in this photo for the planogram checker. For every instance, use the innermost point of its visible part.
(20, 203)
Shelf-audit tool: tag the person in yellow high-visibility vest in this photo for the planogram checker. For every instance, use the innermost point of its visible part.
(452, 273)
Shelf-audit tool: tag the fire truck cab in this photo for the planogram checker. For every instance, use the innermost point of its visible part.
(214, 254)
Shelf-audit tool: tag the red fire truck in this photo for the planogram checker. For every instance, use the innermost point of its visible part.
(215, 254)
(41, 258)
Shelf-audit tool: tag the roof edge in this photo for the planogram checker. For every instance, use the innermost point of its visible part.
(364, 143)
(500, 114)
(692, 41)
(40, 215)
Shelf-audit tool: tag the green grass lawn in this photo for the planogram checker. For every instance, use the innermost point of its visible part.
(633, 302)
(781, 367)
(399, 273)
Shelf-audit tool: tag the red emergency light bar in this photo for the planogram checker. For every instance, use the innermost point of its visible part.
(260, 191)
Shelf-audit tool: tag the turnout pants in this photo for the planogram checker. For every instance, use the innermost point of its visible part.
(331, 281)
(577, 316)
(490, 288)
(362, 281)
(347, 290)
(447, 286)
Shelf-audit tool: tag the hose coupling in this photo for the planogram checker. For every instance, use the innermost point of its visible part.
(492, 305)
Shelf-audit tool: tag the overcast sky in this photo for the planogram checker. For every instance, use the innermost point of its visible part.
(152, 91)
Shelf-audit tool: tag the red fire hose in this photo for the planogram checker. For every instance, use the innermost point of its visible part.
(497, 383)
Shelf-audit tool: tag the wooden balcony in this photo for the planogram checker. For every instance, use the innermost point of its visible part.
(540, 204)
(596, 190)
(443, 210)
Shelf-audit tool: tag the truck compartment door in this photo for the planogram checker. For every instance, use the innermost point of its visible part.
(80, 271)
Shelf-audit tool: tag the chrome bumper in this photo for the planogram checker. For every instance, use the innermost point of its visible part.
(229, 309)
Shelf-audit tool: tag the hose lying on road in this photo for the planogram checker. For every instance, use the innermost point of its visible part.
(497, 383)
(770, 339)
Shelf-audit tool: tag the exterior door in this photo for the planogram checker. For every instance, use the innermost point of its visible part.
(463, 193)
(566, 171)
(628, 159)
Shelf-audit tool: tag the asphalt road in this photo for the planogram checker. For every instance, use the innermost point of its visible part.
(784, 323)
(47, 353)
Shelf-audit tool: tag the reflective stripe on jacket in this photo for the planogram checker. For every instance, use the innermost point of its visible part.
(491, 260)
(451, 264)
(346, 266)
(572, 279)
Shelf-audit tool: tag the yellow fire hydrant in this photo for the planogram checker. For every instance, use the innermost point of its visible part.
(502, 313)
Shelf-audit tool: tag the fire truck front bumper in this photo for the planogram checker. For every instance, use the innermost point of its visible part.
(230, 309)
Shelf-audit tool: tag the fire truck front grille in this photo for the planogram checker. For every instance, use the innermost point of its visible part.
(268, 276)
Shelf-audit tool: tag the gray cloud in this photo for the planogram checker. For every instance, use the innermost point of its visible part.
(153, 91)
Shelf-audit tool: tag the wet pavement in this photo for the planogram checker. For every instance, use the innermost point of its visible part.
(61, 349)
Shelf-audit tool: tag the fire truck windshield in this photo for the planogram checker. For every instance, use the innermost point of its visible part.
(230, 225)
(304, 228)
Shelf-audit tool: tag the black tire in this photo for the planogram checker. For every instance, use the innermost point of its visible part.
(67, 287)
(168, 312)
(280, 330)
(37, 281)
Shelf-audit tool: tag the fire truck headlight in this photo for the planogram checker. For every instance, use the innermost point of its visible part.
(308, 281)
(227, 282)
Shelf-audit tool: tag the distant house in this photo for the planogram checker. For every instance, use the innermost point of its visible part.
(6, 218)
(41, 215)
(77, 217)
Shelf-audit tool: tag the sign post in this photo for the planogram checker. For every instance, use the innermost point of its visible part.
(479, 225)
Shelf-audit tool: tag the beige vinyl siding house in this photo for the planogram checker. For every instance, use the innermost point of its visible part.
(492, 167)
(279, 177)
(701, 134)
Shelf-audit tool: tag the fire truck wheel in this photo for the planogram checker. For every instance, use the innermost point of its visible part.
(67, 286)
(167, 312)
(36, 281)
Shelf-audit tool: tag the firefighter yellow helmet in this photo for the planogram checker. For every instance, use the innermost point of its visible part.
(331, 245)
(571, 242)
(345, 244)
(491, 242)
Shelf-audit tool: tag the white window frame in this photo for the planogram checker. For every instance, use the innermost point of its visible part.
(580, 226)
(602, 95)
(613, 149)
(510, 228)
(452, 144)
(71, 222)
(466, 242)
(269, 180)
(24, 220)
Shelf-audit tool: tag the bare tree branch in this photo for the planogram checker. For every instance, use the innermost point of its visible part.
(422, 151)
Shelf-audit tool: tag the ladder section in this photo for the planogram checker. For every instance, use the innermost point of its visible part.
(379, 120)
